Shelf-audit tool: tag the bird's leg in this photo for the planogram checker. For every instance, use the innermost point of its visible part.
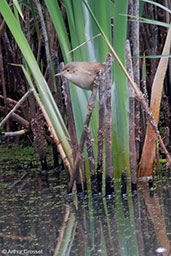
(92, 98)
(95, 84)
(94, 91)
(96, 80)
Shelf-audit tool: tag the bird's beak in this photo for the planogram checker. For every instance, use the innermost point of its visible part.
(58, 74)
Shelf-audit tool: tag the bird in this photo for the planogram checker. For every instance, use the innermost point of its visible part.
(83, 74)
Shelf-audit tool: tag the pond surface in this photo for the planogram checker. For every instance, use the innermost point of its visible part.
(37, 218)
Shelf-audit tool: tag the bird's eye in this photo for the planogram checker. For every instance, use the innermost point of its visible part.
(68, 70)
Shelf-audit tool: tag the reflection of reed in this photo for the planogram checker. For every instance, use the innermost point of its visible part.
(62, 231)
(157, 218)
(126, 226)
(96, 234)
(137, 219)
(114, 227)
(110, 233)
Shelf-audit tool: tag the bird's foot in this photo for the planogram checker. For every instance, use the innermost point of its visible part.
(95, 84)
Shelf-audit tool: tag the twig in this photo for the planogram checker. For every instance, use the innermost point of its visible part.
(12, 134)
(82, 140)
(8, 99)
(84, 43)
(20, 120)
(16, 106)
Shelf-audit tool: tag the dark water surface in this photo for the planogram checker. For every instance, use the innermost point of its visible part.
(36, 217)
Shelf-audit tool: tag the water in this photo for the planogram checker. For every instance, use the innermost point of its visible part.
(37, 218)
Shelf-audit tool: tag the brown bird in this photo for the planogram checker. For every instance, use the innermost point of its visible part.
(82, 74)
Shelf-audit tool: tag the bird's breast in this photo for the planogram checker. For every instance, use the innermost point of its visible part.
(83, 81)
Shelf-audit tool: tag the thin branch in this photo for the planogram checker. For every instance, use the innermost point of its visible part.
(12, 134)
(16, 106)
(8, 99)
(20, 120)
(84, 43)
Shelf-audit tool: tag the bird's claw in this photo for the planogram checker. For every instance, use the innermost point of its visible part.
(95, 84)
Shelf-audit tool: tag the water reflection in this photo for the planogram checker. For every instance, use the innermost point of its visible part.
(36, 218)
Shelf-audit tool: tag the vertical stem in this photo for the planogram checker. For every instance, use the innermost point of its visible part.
(101, 131)
(70, 117)
(3, 84)
(132, 140)
(71, 126)
(89, 144)
(136, 70)
(46, 41)
(109, 169)
(82, 140)
(134, 37)
(136, 43)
